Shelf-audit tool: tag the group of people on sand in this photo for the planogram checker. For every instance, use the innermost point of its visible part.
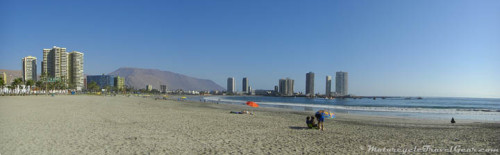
(311, 122)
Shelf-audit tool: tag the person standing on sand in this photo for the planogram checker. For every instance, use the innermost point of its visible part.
(321, 119)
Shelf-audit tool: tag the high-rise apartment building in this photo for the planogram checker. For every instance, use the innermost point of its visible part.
(310, 84)
(231, 85)
(328, 89)
(29, 68)
(75, 70)
(286, 87)
(55, 63)
(149, 87)
(245, 85)
(341, 83)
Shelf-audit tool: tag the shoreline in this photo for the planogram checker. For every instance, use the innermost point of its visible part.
(468, 116)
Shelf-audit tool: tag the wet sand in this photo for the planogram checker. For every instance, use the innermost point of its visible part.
(134, 125)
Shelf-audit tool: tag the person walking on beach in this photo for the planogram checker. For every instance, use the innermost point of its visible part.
(321, 119)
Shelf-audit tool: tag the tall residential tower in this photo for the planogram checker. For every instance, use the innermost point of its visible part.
(230, 85)
(328, 90)
(310, 84)
(286, 87)
(29, 68)
(55, 63)
(245, 85)
(341, 86)
(75, 70)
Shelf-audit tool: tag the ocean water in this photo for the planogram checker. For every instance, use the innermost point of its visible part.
(477, 109)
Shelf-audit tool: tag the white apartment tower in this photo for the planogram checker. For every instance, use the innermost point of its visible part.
(29, 68)
(75, 61)
(55, 63)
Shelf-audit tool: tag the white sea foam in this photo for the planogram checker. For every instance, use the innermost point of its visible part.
(365, 108)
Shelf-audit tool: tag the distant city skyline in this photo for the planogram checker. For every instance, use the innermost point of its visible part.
(389, 47)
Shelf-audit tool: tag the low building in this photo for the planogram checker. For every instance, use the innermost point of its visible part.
(119, 83)
(163, 88)
(264, 92)
(102, 80)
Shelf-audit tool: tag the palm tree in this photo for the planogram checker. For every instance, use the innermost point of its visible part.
(93, 87)
(2, 84)
(39, 84)
(16, 82)
(30, 83)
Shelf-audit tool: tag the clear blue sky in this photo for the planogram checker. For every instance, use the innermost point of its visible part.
(389, 47)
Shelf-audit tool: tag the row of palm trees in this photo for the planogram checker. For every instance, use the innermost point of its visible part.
(44, 84)
(40, 85)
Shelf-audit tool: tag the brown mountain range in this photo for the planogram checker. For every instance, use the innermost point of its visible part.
(139, 78)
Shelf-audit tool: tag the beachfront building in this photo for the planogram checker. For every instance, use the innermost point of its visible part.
(149, 87)
(341, 86)
(60, 65)
(55, 63)
(328, 89)
(4, 77)
(286, 87)
(102, 81)
(119, 83)
(75, 70)
(245, 85)
(310, 84)
(231, 85)
(163, 88)
(29, 68)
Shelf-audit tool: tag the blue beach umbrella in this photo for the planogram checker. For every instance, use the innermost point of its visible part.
(326, 113)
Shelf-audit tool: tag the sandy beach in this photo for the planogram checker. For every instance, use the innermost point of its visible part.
(135, 125)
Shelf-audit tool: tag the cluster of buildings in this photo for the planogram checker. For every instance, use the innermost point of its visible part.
(57, 65)
(231, 89)
(285, 86)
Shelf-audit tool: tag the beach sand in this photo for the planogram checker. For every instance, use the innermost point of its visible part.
(135, 125)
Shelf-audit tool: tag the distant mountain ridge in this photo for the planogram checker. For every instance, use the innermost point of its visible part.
(12, 74)
(139, 78)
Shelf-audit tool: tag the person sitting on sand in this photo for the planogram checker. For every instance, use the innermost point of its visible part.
(309, 123)
(241, 112)
(314, 122)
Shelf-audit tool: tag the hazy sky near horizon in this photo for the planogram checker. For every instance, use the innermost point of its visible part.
(389, 47)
